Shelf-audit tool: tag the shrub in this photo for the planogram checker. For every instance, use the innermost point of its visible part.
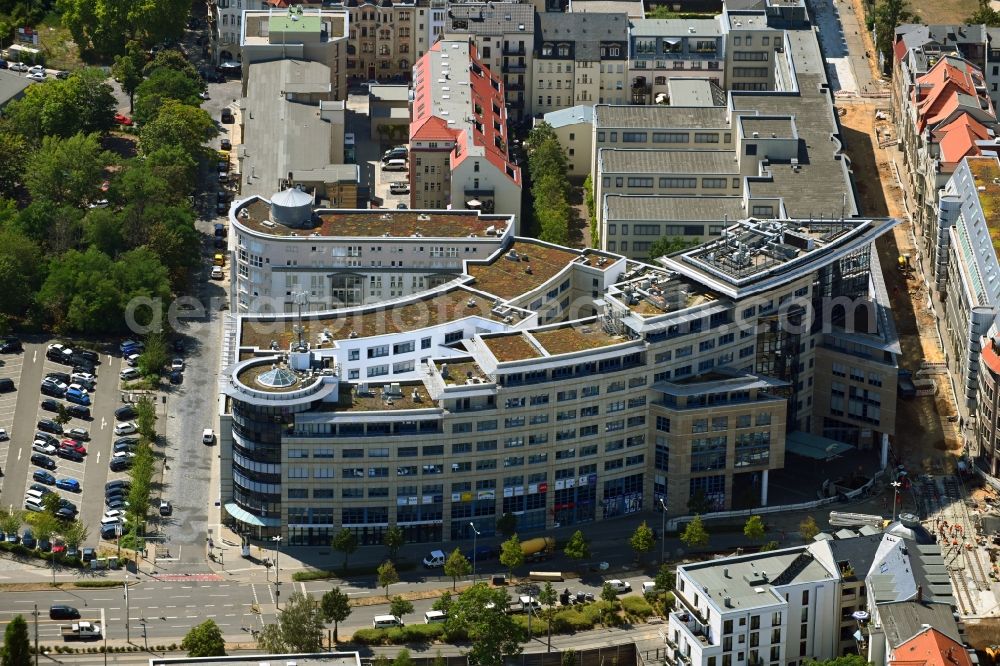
(370, 636)
(637, 607)
(422, 633)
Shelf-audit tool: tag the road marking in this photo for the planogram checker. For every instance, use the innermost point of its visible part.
(19, 453)
(303, 588)
(98, 457)
(104, 422)
(34, 357)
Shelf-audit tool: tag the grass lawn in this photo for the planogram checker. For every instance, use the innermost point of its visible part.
(57, 44)
(945, 11)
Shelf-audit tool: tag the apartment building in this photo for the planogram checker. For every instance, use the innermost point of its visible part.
(777, 151)
(225, 19)
(504, 36)
(755, 52)
(948, 116)
(967, 272)
(293, 133)
(458, 135)
(579, 59)
(558, 385)
(385, 38)
(313, 35)
(293, 257)
(917, 48)
(574, 127)
(987, 439)
(776, 608)
(665, 49)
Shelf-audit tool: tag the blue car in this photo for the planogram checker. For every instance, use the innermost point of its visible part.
(68, 484)
(77, 397)
(42, 476)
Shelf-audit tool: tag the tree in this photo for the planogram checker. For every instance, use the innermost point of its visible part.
(609, 594)
(668, 245)
(403, 658)
(577, 547)
(336, 607)
(74, 533)
(16, 645)
(808, 528)
(103, 28)
(568, 657)
(50, 503)
(83, 103)
(387, 575)
(393, 540)
(145, 410)
(13, 153)
(666, 578)
(642, 540)
(443, 603)
(299, 628)
(345, 542)
(164, 86)
(172, 60)
(550, 187)
(588, 197)
(153, 361)
(399, 606)
(44, 524)
(511, 555)
(66, 170)
(481, 613)
(456, 566)
(770, 545)
(205, 640)
(695, 535)
(547, 597)
(984, 15)
(846, 660)
(177, 124)
(507, 524)
(754, 528)
(127, 70)
(888, 15)
(10, 522)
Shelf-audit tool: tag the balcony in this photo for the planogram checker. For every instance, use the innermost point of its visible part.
(512, 50)
(513, 68)
(513, 86)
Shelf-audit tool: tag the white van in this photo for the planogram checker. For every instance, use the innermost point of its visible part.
(386, 622)
(34, 495)
(395, 165)
(433, 616)
(31, 504)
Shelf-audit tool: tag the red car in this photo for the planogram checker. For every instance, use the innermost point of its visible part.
(122, 119)
(75, 445)
(58, 548)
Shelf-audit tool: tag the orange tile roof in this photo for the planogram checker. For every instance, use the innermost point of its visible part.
(899, 49)
(432, 129)
(959, 138)
(936, 93)
(930, 648)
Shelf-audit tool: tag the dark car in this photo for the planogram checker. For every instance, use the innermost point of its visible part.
(62, 513)
(60, 376)
(119, 464)
(42, 476)
(7, 385)
(79, 411)
(43, 461)
(63, 613)
(128, 445)
(89, 356)
(80, 364)
(117, 483)
(50, 405)
(29, 540)
(126, 413)
(227, 117)
(48, 425)
(52, 390)
(69, 454)
(176, 377)
(10, 345)
(47, 438)
(66, 504)
(40, 488)
(109, 532)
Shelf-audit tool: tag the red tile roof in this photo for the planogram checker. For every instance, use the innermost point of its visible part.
(990, 358)
(936, 93)
(899, 49)
(930, 648)
(959, 138)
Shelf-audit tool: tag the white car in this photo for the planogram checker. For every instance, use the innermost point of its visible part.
(3, 435)
(122, 454)
(133, 360)
(127, 428)
(36, 69)
(217, 273)
(18, 67)
(80, 387)
(208, 436)
(43, 447)
(37, 76)
(619, 586)
(83, 377)
(177, 364)
(113, 517)
(129, 373)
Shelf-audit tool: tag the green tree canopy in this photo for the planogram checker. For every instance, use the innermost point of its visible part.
(13, 156)
(173, 60)
(204, 640)
(67, 170)
(399, 606)
(164, 85)
(387, 575)
(888, 15)
(695, 535)
(577, 547)
(103, 28)
(127, 70)
(456, 566)
(336, 607)
(511, 555)
(21, 272)
(83, 103)
(481, 613)
(299, 628)
(393, 540)
(668, 245)
(808, 528)
(754, 528)
(16, 645)
(846, 660)
(666, 578)
(642, 540)
(507, 524)
(11, 521)
(176, 124)
(345, 542)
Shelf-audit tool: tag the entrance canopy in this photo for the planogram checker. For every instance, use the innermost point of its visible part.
(815, 447)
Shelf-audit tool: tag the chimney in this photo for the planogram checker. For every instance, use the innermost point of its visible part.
(725, 572)
(920, 594)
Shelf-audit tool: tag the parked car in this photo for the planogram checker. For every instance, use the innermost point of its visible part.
(90, 355)
(40, 488)
(125, 413)
(208, 436)
(48, 425)
(217, 273)
(7, 385)
(61, 377)
(165, 508)
(619, 586)
(120, 464)
(226, 144)
(69, 484)
(122, 119)
(43, 461)
(28, 539)
(50, 405)
(130, 344)
(84, 379)
(117, 483)
(10, 345)
(43, 447)
(43, 477)
(127, 428)
(77, 397)
(124, 445)
(17, 67)
(79, 411)
(69, 454)
(37, 76)
(62, 513)
(129, 374)
(74, 445)
(176, 377)
(177, 364)
(79, 434)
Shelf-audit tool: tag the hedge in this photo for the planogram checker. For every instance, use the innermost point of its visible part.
(414, 633)
(326, 574)
(636, 607)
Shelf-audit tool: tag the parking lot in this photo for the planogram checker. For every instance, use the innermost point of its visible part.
(369, 152)
(20, 413)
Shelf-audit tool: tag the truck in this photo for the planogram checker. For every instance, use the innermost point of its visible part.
(538, 548)
(81, 631)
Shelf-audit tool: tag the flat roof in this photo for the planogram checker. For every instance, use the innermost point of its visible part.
(658, 116)
(575, 337)
(507, 273)
(781, 128)
(745, 580)
(377, 319)
(511, 347)
(279, 135)
(672, 208)
(633, 8)
(490, 18)
(412, 395)
(617, 160)
(648, 27)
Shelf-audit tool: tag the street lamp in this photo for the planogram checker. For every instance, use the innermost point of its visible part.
(128, 637)
(145, 640)
(895, 497)
(277, 570)
(475, 540)
(663, 529)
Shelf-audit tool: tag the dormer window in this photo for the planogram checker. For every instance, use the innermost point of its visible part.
(546, 49)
